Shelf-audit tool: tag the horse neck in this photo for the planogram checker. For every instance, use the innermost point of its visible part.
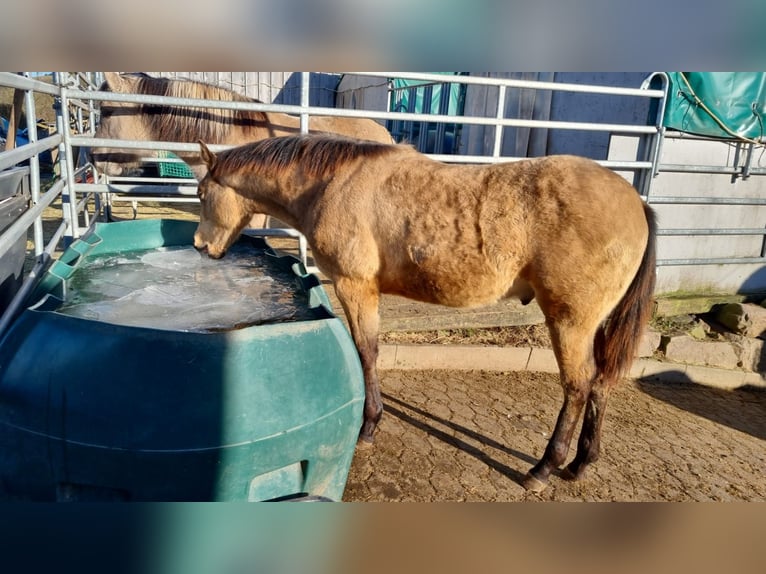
(280, 124)
(284, 195)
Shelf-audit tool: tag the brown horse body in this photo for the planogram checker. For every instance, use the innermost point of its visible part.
(386, 219)
(151, 122)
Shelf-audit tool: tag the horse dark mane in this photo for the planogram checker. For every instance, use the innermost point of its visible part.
(189, 124)
(319, 155)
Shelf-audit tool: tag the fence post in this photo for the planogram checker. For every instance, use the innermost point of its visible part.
(305, 79)
(499, 116)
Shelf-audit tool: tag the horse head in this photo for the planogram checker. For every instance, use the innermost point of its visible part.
(223, 213)
(119, 120)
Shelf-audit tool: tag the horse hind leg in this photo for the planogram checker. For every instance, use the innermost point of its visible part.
(573, 346)
(589, 443)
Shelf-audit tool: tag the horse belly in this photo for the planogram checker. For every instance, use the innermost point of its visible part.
(450, 285)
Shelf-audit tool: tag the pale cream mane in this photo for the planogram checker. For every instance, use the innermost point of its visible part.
(189, 124)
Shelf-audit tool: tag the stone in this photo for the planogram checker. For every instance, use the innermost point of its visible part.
(746, 319)
(698, 331)
(650, 342)
(734, 316)
(685, 349)
(758, 318)
(750, 352)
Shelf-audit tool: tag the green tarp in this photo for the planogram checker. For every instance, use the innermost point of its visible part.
(402, 102)
(735, 103)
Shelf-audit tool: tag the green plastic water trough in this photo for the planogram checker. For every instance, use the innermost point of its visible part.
(94, 410)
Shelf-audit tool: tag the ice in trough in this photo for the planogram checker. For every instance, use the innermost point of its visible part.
(177, 288)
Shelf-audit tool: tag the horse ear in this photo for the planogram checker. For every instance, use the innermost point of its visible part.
(115, 81)
(207, 156)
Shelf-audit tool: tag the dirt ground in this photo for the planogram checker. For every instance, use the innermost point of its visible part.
(471, 436)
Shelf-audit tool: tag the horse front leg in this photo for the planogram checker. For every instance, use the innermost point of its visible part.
(360, 303)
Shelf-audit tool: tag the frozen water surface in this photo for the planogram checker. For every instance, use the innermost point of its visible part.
(179, 289)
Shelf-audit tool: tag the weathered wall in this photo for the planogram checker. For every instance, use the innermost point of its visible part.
(269, 87)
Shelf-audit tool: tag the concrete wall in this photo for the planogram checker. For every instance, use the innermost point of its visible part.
(728, 278)
(725, 278)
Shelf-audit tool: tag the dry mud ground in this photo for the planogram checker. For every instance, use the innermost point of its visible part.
(471, 436)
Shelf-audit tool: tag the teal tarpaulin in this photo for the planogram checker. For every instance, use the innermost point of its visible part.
(402, 102)
(717, 104)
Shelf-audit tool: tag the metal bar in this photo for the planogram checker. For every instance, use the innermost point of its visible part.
(138, 189)
(34, 169)
(484, 159)
(31, 279)
(21, 154)
(441, 128)
(676, 135)
(746, 170)
(115, 179)
(19, 227)
(176, 199)
(511, 83)
(68, 173)
(659, 138)
(713, 261)
(11, 80)
(344, 112)
(709, 200)
(499, 115)
(174, 146)
(711, 169)
(427, 93)
(708, 231)
(305, 80)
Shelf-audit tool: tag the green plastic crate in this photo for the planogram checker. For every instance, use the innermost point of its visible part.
(175, 168)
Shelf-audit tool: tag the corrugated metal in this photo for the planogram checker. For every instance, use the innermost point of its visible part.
(519, 103)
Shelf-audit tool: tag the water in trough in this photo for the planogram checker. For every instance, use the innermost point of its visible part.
(177, 288)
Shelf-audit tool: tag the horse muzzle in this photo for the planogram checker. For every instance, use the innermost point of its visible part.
(204, 249)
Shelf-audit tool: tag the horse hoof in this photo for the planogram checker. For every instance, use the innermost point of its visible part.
(567, 474)
(533, 484)
(364, 442)
(570, 473)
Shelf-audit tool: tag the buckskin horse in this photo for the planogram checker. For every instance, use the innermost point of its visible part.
(188, 124)
(386, 219)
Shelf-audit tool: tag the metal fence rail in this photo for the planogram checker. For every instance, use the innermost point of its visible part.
(304, 111)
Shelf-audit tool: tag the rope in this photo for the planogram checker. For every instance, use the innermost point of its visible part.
(717, 120)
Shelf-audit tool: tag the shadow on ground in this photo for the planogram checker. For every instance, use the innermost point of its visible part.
(741, 409)
(398, 408)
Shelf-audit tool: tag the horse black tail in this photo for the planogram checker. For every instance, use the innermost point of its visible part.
(617, 340)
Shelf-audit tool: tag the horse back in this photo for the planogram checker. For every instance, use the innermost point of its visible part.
(463, 235)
